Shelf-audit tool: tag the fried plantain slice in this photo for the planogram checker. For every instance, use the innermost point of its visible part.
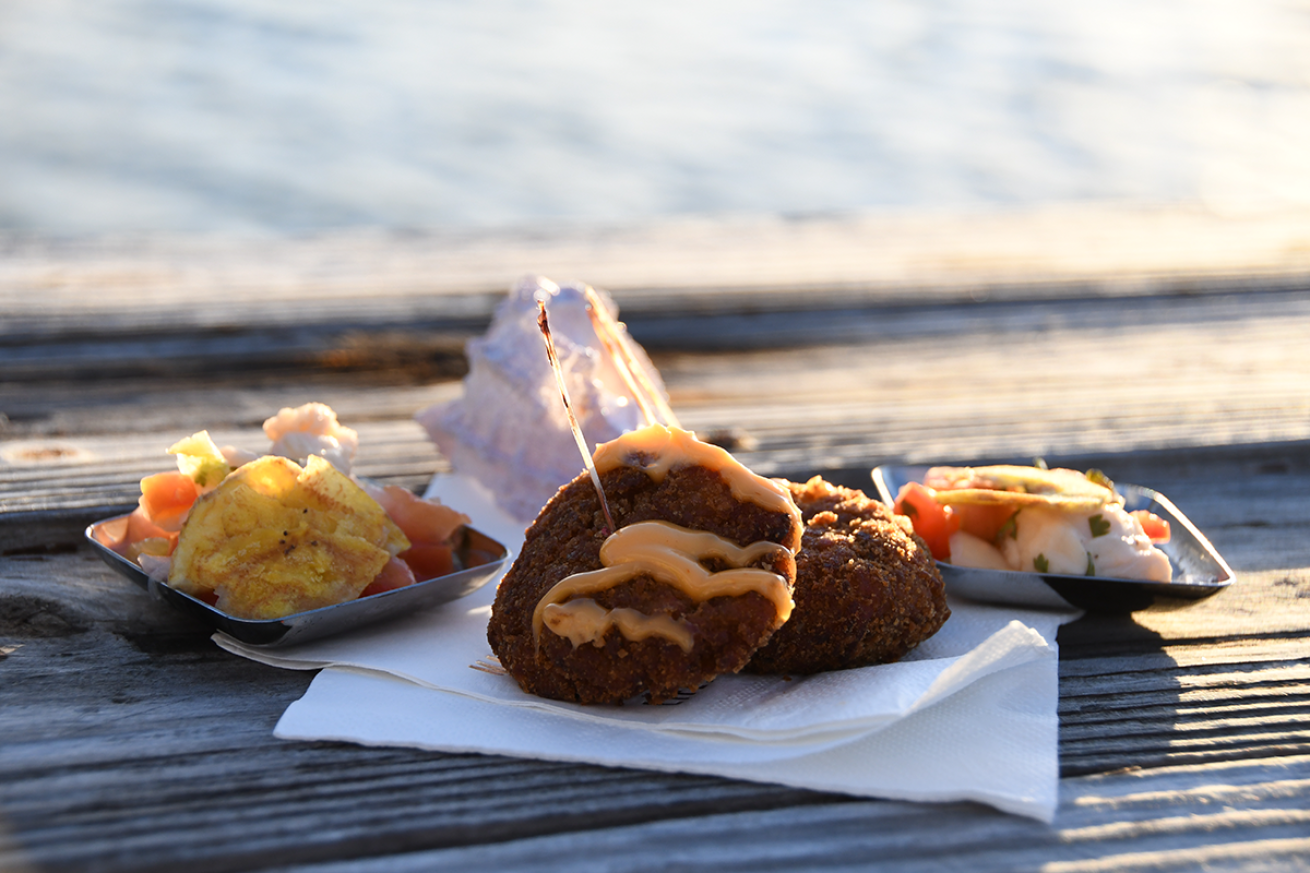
(275, 539)
(1012, 485)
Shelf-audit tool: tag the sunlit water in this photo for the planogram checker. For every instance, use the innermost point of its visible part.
(209, 115)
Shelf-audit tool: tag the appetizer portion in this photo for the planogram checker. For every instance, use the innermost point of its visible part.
(1033, 520)
(667, 562)
(695, 575)
(275, 538)
(867, 588)
(267, 536)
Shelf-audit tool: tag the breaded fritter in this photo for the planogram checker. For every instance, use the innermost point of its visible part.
(566, 538)
(867, 589)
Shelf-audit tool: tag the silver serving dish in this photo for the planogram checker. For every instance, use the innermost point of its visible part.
(328, 620)
(1198, 569)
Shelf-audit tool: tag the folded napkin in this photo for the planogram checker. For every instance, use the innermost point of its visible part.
(970, 714)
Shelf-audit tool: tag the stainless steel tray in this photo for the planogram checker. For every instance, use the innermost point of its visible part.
(328, 620)
(1199, 571)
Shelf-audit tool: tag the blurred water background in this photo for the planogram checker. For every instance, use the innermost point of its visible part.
(222, 115)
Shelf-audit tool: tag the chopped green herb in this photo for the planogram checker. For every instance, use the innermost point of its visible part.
(1040, 463)
(1009, 529)
(1091, 568)
(1040, 564)
(1100, 526)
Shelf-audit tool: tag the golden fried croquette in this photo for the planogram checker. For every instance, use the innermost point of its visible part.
(701, 639)
(867, 589)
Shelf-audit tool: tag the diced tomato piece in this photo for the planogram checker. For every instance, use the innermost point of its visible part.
(423, 521)
(982, 520)
(932, 521)
(112, 533)
(428, 561)
(396, 574)
(139, 528)
(1153, 525)
(166, 498)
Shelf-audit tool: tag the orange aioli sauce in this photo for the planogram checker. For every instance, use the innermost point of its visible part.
(586, 621)
(672, 555)
(667, 552)
(655, 450)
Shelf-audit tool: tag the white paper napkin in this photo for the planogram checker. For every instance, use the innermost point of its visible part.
(971, 714)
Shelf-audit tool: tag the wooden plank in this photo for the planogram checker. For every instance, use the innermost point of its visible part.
(1072, 383)
(167, 759)
(111, 693)
(1227, 817)
(757, 263)
(165, 778)
(1160, 348)
(109, 308)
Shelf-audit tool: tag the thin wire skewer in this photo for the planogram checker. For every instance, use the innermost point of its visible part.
(544, 324)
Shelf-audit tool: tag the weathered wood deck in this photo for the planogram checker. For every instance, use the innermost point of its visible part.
(1165, 348)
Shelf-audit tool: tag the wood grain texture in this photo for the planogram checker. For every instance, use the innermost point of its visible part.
(110, 308)
(960, 383)
(759, 262)
(176, 739)
(1106, 823)
(1162, 347)
(121, 719)
(111, 764)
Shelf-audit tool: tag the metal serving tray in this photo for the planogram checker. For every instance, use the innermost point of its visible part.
(328, 620)
(1199, 571)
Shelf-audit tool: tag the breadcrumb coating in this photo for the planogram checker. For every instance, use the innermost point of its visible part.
(867, 588)
(566, 539)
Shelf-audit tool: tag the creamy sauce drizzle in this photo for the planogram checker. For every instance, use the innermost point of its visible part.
(673, 555)
(655, 450)
(669, 553)
(586, 621)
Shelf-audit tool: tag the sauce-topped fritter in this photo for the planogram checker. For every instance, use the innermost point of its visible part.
(696, 577)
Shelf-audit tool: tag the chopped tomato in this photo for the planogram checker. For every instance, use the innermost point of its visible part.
(112, 533)
(166, 498)
(423, 521)
(932, 521)
(429, 562)
(983, 520)
(1153, 525)
(395, 574)
(136, 529)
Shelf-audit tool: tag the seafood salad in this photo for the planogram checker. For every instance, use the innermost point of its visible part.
(266, 536)
(1034, 520)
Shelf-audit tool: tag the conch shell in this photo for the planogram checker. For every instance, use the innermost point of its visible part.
(509, 430)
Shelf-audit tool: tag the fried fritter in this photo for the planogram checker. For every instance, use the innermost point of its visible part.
(867, 589)
(720, 633)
